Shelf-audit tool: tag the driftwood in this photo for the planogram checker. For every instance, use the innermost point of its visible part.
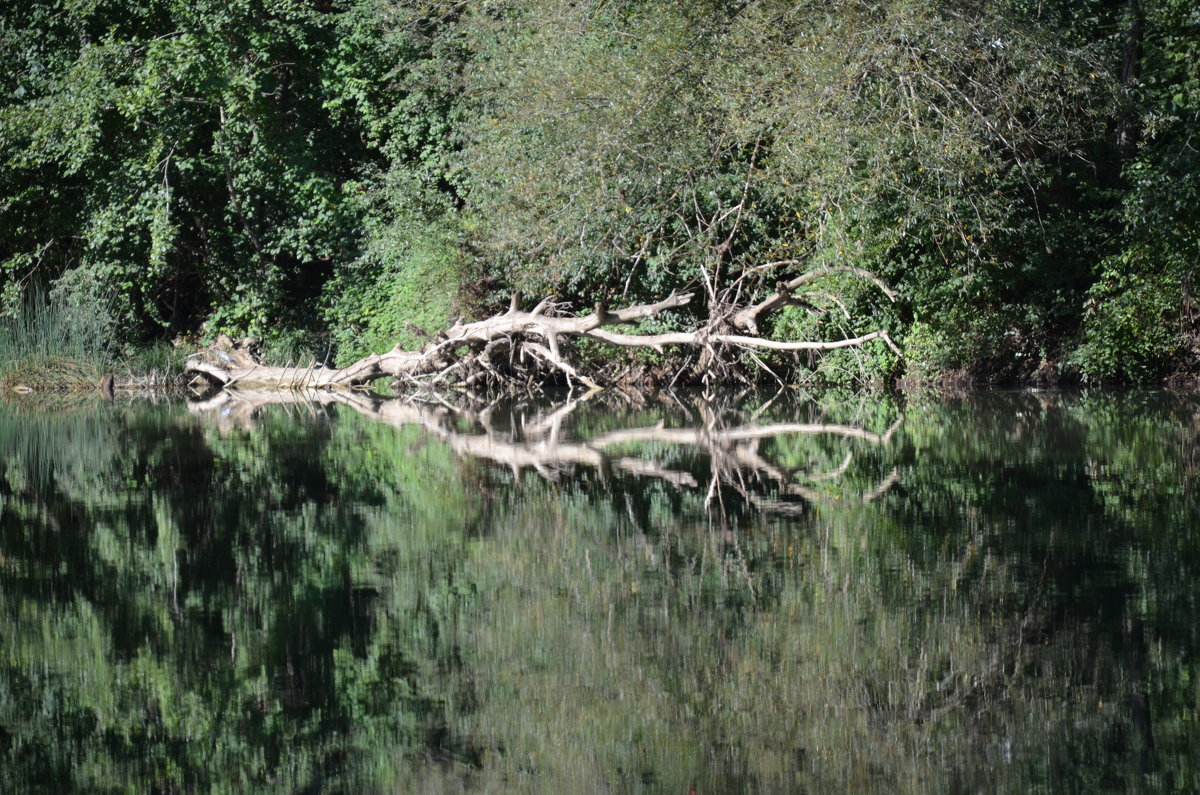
(501, 347)
(543, 441)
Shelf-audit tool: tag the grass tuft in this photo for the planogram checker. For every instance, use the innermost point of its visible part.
(48, 344)
(50, 373)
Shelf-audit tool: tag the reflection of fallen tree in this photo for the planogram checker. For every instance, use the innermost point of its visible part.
(542, 444)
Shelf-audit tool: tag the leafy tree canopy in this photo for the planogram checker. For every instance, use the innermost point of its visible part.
(366, 169)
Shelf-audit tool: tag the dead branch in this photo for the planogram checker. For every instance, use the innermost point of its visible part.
(749, 318)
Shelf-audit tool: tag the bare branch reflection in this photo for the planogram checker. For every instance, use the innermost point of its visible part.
(546, 440)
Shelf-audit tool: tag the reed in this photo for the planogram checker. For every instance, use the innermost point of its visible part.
(49, 344)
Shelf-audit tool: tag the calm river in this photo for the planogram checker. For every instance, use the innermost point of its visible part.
(817, 593)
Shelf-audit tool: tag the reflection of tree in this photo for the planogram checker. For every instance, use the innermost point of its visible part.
(1084, 498)
(221, 612)
(354, 597)
(541, 439)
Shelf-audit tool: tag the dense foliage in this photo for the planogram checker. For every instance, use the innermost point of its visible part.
(353, 173)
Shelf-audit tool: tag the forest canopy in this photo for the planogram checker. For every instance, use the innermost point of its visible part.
(349, 174)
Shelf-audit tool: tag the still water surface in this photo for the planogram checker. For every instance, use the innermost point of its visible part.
(816, 594)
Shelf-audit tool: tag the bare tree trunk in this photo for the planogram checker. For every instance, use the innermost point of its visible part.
(1131, 69)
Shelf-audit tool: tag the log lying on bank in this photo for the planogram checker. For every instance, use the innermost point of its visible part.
(544, 441)
(502, 347)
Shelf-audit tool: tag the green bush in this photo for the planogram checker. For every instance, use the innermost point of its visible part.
(402, 292)
(1128, 330)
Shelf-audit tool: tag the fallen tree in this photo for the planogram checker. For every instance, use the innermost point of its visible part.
(517, 345)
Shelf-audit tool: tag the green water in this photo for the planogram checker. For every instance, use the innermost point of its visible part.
(817, 594)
